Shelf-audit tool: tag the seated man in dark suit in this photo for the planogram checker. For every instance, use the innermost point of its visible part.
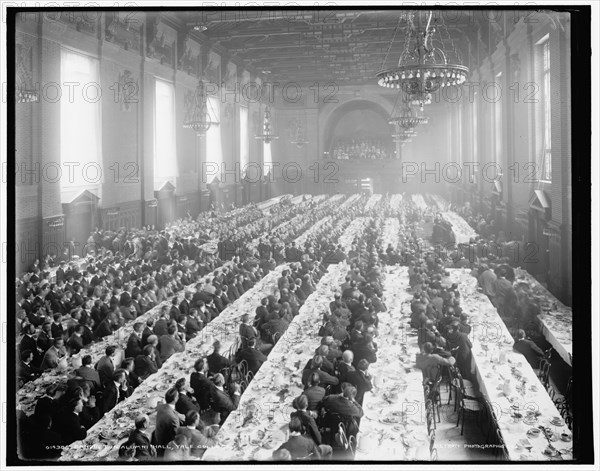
(252, 356)
(75, 341)
(25, 370)
(360, 379)
(68, 424)
(216, 362)
(88, 373)
(299, 446)
(134, 343)
(139, 440)
(314, 392)
(222, 402)
(315, 367)
(167, 421)
(533, 354)
(115, 391)
(344, 404)
(186, 402)
(145, 364)
(200, 383)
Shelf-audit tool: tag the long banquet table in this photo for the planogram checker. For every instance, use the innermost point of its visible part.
(394, 425)
(104, 438)
(556, 320)
(259, 425)
(507, 380)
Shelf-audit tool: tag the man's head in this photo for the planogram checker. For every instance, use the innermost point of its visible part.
(363, 365)
(86, 360)
(350, 392)
(295, 425)
(219, 380)
(142, 421)
(427, 348)
(172, 396)
(348, 356)
(110, 351)
(520, 334)
(217, 346)
(192, 418)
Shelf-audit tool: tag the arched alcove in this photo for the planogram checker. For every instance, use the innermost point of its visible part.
(359, 117)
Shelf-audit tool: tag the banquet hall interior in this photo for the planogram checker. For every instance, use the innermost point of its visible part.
(311, 234)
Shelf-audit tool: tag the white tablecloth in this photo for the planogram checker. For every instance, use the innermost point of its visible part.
(463, 233)
(490, 338)
(394, 425)
(556, 322)
(249, 433)
(107, 433)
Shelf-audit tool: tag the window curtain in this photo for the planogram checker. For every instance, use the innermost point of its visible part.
(244, 143)
(80, 122)
(214, 150)
(165, 151)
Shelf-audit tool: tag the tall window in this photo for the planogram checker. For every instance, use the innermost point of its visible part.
(165, 152)
(547, 119)
(244, 143)
(267, 158)
(475, 132)
(80, 121)
(498, 129)
(214, 151)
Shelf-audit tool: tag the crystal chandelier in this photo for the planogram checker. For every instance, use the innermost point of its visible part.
(403, 136)
(267, 135)
(403, 115)
(299, 136)
(429, 61)
(199, 113)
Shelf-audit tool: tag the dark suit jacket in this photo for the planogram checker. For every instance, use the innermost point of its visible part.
(216, 362)
(134, 346)
(145, 334)
(167, 423)
(253, 357)
(326, 378)
(112, 396)
(160, 327)
(106, 369)
(203, 388)
(530, 350)
(315, 395)
(186, 404)
(223, 403)
(247, 332)
(340, 405)
(301, 447)
(91, 376)
(68, 426)
(361, 382)
(310, 426)
(75, 344)
(140, 441)
(144, 366)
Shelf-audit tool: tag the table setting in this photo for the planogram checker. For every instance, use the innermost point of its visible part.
(556, 319)
(259, 425)
(152, 391)
(393, 426)
(463, 233)
(518, 398)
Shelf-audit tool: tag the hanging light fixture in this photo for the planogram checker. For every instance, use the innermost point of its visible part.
(404, 117)
(199, 114)
(267, 135)
(25, 91)
(429, 60)
(403, 135)
(299, 136)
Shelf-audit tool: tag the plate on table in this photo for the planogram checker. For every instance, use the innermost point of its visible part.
(390, 420)
(557, 421)
(533, 432)
(566, 437)
(552, 452)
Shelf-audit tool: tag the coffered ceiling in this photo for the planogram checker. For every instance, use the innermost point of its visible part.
(345, 46)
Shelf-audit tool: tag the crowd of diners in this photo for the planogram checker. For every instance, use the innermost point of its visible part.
(60, 316)
(133, 271)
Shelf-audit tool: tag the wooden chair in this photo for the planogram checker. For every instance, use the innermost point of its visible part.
(467, 405)
(435, 397)
(434, 454)
(544, 373)
(564, 403)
